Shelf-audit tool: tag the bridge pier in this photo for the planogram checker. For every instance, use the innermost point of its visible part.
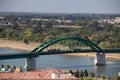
(100, 59)
(30, 64)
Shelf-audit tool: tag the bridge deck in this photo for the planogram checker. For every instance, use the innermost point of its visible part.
(28, 55)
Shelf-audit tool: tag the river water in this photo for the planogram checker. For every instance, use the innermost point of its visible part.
(66, 62)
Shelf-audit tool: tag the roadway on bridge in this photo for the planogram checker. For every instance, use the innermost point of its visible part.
(29, 55)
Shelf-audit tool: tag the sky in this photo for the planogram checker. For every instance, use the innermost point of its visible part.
(61, 6)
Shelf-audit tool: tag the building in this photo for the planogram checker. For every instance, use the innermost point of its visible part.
(66, 21)
(111, 21)
(5, 23)
(118, 73)
(1, 17)
(117, 20)
(39, 19)
(39, 74)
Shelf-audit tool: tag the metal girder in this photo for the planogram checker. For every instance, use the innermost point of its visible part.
(38, 51)
(47, 44)
(17, 56)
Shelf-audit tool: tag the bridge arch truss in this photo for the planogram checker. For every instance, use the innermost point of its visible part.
(41, 47)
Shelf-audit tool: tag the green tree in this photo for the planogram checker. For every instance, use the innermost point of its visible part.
(48, 24)
(110, 78)
(77, 73)
(118, 78)
(2, 66)
(39, 24)
(15, 25)
(115, 78)
(86, 73)
(21, 69)
(105, 45)
(14, 68)
(70, 71)
(26, 41)
(103, 77)
(7, 67)
(92, 74)
(27, 33)
(81, 73)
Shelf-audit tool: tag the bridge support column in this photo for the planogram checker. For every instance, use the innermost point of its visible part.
(30, 64)
(100, 59)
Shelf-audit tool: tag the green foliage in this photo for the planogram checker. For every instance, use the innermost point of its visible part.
(70, 71)
(92, 74)
(105, 45)
(86, 79)
(86, 73)
(39, 24)
(77, 73)
(2, 66)
(103, 77)
(115, 78)
(106, 35)
(118, 78)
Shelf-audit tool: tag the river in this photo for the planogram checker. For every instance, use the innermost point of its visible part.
(65, 62)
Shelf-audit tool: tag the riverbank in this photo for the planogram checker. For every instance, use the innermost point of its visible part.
(114, 56)
(19, 45)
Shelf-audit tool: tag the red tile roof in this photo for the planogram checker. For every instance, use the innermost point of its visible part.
(42, 74)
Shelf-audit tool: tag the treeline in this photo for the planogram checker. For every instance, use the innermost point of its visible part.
(68, 16)
(106, 37)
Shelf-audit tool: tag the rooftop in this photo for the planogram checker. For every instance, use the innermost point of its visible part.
(40, 74)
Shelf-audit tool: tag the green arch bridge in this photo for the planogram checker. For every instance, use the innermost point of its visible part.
(30, 62)
(39, 50)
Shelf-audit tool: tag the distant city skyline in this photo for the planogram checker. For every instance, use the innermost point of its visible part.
(61, 6)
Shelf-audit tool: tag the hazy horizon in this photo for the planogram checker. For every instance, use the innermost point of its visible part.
(61, 6)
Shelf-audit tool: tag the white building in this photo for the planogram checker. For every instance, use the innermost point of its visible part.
(111, 21)
(1, 17)
(118, 73)
(117, 20)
